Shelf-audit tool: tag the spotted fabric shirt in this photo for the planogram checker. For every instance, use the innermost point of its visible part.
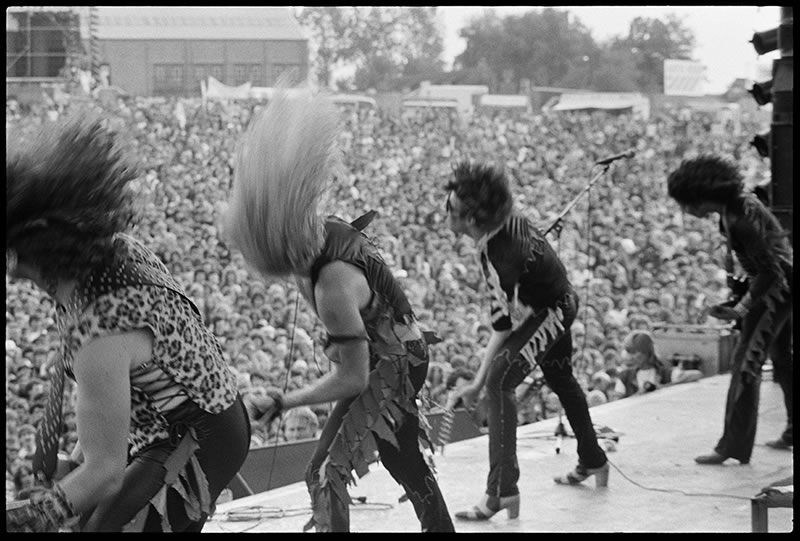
(137, 292)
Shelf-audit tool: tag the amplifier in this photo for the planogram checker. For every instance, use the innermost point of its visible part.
(712, 344)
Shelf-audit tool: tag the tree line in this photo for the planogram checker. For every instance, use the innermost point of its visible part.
(391, 49)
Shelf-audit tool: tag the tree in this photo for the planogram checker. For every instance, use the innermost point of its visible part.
(615, 72)
(550, 47)
(331, 39)
(383, 44)
(650, 42)
(399, 45)
(544, 46)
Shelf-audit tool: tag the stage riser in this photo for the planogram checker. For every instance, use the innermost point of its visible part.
(275, 466)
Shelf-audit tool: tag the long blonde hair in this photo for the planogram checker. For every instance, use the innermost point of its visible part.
(284, 164)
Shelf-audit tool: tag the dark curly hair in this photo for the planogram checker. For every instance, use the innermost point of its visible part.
(484, 191)
(705, 178)
(67, 195)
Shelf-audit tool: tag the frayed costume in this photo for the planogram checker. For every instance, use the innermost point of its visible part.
(69, 204)
(384, 418)
(287, 160)
(763, 249)
(529, 287)
(189, 430)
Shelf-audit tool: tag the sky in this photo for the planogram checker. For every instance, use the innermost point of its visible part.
(722, 33)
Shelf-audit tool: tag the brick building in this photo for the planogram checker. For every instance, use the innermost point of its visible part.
(168, 51)
(152, 50)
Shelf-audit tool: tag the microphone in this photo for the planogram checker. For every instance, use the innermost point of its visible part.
(630, 153)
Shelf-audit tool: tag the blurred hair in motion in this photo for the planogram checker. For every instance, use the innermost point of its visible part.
(285, 162)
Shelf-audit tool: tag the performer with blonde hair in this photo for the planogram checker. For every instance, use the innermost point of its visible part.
(286, 161)
(161, 428)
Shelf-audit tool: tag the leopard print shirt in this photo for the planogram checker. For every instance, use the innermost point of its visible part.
(187, 361)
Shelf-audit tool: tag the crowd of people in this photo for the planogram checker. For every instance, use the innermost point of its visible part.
(635, 260)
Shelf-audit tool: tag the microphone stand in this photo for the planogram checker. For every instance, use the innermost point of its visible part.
(560, 432)
(556, 225)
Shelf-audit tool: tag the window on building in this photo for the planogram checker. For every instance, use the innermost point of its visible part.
(292, 71)
(239, 75)
(217, 71)
(243, 73)
(201, 72)
(256, 75)
(168, 79)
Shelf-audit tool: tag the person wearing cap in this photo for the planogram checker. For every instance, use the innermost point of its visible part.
(532, 307)
(287, 158)
(161, 427)
(713, 185)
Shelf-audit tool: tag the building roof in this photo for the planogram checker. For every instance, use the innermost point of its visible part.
(203, 23)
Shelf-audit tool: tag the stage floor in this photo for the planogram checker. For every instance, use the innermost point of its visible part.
(654, 486)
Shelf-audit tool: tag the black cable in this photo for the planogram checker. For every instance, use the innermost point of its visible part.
(548, 435)
(678, 491)
(285, 387)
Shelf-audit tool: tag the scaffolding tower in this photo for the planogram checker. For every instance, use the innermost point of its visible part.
(44, 43)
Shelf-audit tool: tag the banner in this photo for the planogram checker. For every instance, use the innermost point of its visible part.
(220, 91)
(684, 78)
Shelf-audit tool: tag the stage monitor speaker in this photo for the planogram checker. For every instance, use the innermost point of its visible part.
(713, 344)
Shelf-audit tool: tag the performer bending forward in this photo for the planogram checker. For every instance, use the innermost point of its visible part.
(160, 426)
(528, 283)
(710, 184)
(287, 159)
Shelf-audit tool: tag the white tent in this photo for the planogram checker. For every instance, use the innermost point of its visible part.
(447, 104)
(461, 95)
(354, 100)
(611, 101)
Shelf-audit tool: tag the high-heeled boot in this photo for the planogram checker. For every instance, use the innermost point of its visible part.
(581, 473)
(490, 506)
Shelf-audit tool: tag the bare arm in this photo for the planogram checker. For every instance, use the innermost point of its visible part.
(103, 411)
(340, 292)
(469, 393)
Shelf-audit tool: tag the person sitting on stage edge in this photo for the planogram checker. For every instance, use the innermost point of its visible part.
(288, 158)
(529, 288)
(161, 429)
(713, 184)
(644, 372)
